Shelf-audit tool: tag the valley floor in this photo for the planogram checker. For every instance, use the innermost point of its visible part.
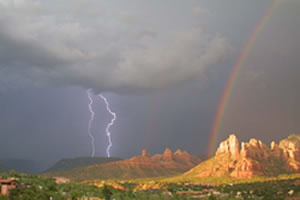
(31, 187)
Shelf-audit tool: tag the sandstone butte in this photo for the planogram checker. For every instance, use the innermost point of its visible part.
(251, 159)
(142, 166)
(180, 160)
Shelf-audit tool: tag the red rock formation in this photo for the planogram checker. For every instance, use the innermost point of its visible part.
(168, 155)
(247, 168)
(254, 158)
(145, 153)
(255, 149)
(290, 149)
(184, 156)
(231, 145)
(276, 151)
(145, 165)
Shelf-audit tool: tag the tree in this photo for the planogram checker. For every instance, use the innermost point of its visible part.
(75, 194)
(106, 192)
(3, 197)
(212, 197)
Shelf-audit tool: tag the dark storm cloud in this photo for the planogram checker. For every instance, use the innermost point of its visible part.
(58, 47)
(138, 46)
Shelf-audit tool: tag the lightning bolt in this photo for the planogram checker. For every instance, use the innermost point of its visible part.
(89, 93)
(108, 125)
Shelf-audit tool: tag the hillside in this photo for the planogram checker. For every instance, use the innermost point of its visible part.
(142, 166)
(71, 163)
(253, 159)
(22, 165)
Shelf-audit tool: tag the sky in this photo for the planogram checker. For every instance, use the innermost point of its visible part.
(163, 66)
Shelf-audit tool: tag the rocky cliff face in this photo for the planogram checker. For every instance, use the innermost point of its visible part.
(168, 155)
(231, 146)
(255, 149)
(145, 153)
(290, 153)
(253, 158)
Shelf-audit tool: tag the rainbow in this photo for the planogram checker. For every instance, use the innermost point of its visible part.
(233, 77)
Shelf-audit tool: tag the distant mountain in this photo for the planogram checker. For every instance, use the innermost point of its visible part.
(71, 163)
(253, 159)
(142, 166)
(21, 165)
(2, 169)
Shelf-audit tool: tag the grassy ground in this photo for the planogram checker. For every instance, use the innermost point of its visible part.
(206, 180)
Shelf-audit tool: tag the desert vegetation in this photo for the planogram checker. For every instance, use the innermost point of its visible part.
(33, 187)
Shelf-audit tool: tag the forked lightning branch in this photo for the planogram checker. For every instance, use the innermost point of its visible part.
(107, 129)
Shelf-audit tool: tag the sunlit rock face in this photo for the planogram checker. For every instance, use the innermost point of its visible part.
(254, 158)
(145, 165)
(168, 155)
(168, 160)
(247, 168)
(184, 156)
(231, 146)
(244, 161)
(255, 149)
(276, 151)
(145, 153)
(290, 149)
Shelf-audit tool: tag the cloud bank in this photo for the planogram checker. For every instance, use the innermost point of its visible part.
(48, 44)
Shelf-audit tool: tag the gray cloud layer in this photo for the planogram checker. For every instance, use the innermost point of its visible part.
(43, 43)
(137, 46)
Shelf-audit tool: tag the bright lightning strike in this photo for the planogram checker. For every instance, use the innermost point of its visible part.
(89, 93)
(109, 125)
